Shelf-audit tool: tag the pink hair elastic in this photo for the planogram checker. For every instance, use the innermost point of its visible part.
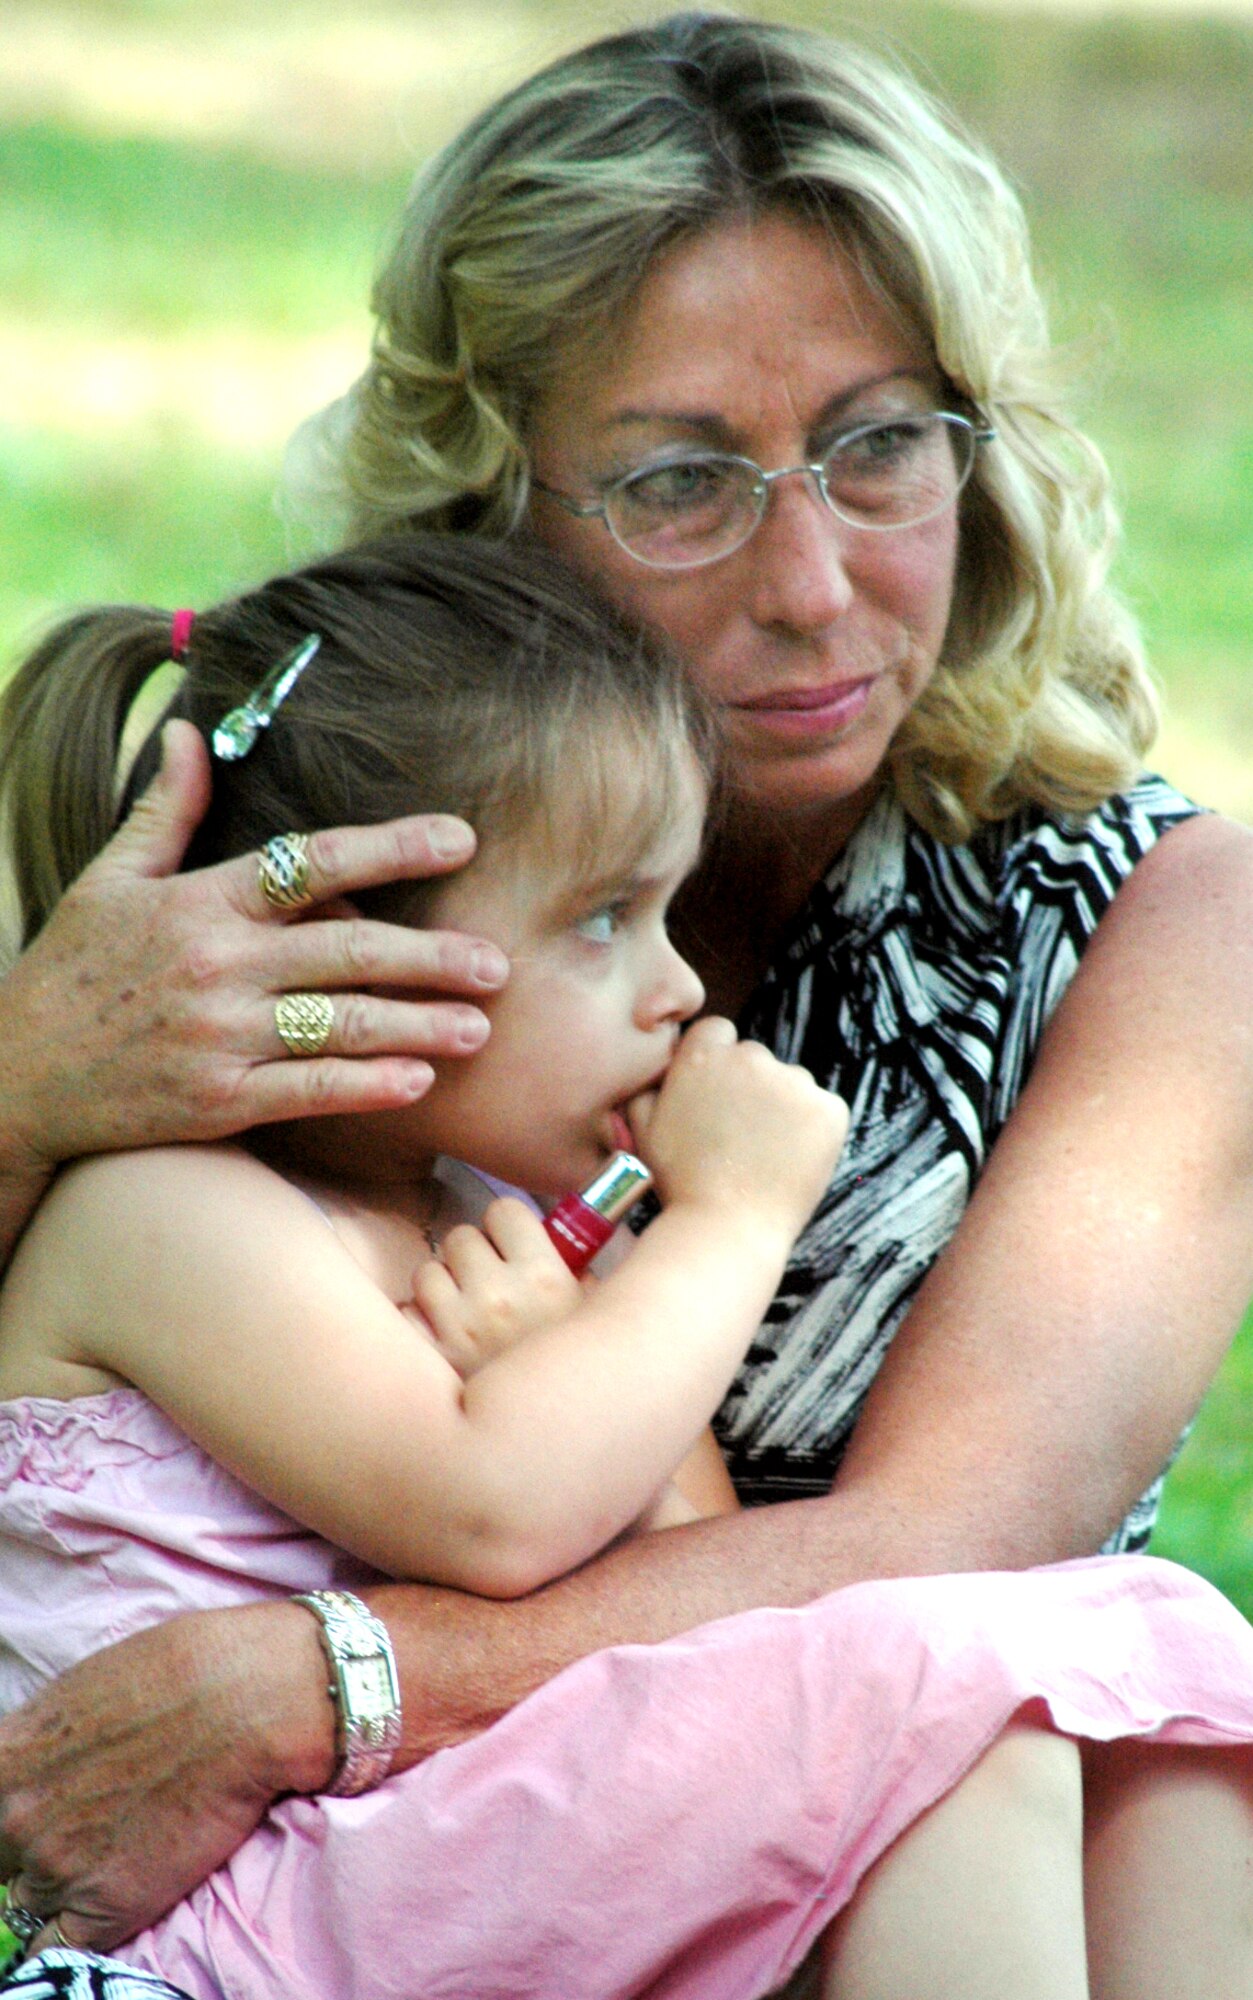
(180, 634)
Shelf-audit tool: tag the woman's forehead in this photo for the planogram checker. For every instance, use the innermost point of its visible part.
(752, 321)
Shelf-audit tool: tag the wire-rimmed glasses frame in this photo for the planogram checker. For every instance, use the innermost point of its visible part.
(660, 524)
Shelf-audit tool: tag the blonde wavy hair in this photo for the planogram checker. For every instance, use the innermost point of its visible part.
(527, 237)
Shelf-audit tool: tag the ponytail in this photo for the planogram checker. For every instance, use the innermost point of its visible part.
(62, 716)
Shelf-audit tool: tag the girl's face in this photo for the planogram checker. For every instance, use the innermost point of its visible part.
(592, 1011)
(814, 639)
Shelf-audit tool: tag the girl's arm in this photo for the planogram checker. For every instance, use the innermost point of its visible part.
(494, 1286)
(123, 1025)
(219, 1290)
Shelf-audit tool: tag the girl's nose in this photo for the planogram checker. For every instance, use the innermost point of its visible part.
(675, 994)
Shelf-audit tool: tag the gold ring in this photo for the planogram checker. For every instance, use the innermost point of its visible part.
(283, 871)
(304, 1022)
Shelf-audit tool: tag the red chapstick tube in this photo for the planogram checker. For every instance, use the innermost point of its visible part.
(581, 1224)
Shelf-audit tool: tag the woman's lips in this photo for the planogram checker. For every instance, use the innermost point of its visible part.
(809, 711)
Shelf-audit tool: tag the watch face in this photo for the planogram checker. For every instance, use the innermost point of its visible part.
(369, 1686)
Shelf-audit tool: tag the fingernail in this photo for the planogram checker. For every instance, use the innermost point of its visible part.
(470, 1033)
(449, 838)
(419, 1076)
(488, 965)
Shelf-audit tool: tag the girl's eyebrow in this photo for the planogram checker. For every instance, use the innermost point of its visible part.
(610, 886)
(592, 892)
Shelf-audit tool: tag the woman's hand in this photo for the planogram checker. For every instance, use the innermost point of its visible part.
(144, 1011)
(490, 1287)
(135, 1774)
(734, 1128)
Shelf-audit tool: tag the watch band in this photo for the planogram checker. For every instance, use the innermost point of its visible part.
(363, 1686)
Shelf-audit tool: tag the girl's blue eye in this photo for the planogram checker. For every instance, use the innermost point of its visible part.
(600, 926)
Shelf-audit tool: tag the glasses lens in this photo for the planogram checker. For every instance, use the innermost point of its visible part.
(688, 512)
(900, 472)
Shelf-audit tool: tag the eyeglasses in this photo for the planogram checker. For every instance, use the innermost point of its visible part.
(895, 473)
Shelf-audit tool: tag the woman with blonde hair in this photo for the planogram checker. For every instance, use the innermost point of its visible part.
(734, 319)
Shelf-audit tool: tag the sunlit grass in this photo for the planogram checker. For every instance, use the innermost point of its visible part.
(1207, 1521)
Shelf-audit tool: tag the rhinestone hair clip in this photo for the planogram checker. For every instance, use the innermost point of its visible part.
(238, 731)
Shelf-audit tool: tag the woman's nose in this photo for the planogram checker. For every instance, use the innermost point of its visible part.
(800, 579)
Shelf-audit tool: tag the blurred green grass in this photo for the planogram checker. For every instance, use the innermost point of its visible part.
(192, 201)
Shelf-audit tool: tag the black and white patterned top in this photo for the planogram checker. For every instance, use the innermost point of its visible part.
(66, 1974)
(917, 982)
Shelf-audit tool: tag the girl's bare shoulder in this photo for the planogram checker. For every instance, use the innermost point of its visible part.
(152, 1181)
(108, 1214)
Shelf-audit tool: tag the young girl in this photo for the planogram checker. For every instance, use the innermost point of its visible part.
(340, 1370)
(201, 1348)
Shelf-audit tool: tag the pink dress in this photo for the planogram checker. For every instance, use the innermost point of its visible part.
(675, 1820)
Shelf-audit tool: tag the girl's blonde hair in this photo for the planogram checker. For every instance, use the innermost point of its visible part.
(528, 236)
(453, 675)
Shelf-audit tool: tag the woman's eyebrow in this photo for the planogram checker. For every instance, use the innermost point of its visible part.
(924, 378)
(714, 426)
(707, 423)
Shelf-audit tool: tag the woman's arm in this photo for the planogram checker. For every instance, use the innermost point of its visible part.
(1043, 1373)
(144, 1011)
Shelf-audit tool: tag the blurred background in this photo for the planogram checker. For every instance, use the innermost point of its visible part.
(194, 195)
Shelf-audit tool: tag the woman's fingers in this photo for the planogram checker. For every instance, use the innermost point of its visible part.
(144, 1011)
(273, 1093)
(339, 861)
(127, 1781)
(363, 1025)
(60, 1928)
(153, 838)
(357, 951)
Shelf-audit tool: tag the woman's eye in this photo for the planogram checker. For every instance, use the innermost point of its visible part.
(880, 447)
(686, 484)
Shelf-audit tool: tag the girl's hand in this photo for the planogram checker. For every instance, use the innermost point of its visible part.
(490, 1287)
(733, 1128)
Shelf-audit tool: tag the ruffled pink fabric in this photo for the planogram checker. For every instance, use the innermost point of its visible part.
(677, 1821)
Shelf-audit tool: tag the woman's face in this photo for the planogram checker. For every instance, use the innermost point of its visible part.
(815, 638)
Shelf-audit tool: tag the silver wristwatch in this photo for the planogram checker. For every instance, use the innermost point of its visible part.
(363, 1687)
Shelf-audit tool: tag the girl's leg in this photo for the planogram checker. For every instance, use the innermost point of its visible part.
(1169, 1869)
(983, 1897)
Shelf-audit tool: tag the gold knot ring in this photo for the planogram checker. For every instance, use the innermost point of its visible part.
(304, 1022)
(283, 871)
